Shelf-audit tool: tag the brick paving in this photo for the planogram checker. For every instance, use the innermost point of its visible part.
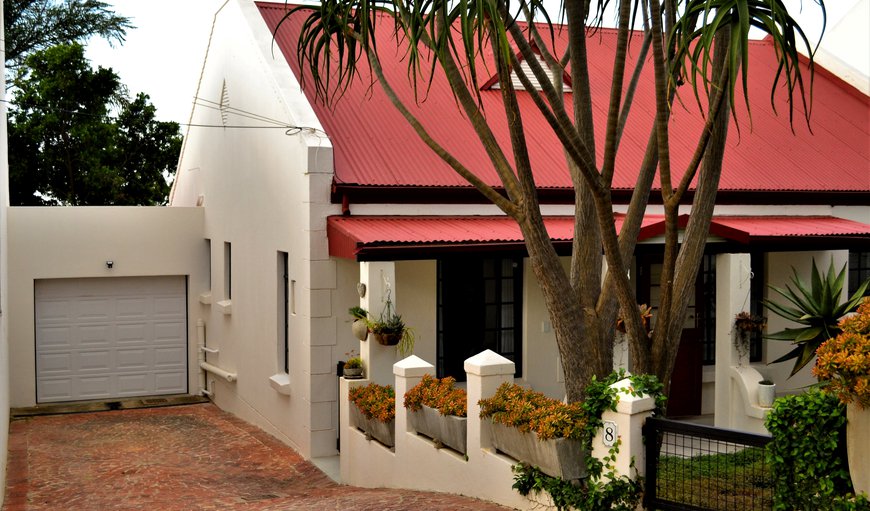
(194, 457)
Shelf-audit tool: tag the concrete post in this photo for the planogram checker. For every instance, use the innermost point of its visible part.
(485, 371)
(625, 424)
(378, 277)
(408, 373)
(733, 276)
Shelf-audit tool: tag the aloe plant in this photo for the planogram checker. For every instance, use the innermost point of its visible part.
(817, 307)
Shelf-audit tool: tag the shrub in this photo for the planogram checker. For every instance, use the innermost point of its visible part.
(806, 454)
(527, 410)
(439, 394)
(375, 401)
(844, 361)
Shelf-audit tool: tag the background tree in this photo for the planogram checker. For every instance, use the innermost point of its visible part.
(700, 42)
(65, 146)
(33, 25)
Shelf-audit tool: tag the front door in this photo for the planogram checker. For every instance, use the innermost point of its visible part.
(686, 380)
(479, 308)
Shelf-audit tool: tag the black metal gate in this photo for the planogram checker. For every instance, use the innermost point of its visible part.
(695, 467)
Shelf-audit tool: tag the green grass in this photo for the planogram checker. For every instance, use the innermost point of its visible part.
(718, 481)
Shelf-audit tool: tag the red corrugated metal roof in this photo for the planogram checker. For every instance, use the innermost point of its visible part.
(374, 146)
(360, 236)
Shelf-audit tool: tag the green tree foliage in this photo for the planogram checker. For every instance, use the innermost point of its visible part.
(33, 25)
(703, 43)
(67, 147)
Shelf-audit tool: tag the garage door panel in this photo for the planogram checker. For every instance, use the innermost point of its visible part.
(138, 358)
(92, 387)
(55, 364)
(56, 389)
(93, 309)
(110, 337)
(168, 358)
(169, 330)
(136, 384)
(133, 333)
(57, 337)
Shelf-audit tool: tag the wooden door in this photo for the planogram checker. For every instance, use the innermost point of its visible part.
(686, 380)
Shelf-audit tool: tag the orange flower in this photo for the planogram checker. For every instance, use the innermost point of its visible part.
(844, 361)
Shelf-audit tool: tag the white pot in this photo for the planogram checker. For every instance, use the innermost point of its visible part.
(858, 446)
(766, 395)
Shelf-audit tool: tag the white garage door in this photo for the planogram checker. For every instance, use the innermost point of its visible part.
(110, 338)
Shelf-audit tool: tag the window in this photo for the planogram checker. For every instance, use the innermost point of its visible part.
(479, 307)
(228, 270)
(283, 311)
(708, 297)
(859, 270)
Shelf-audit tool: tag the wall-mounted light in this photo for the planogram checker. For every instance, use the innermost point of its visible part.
(109, 264)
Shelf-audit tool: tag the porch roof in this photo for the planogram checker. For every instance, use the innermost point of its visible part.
(397, 237)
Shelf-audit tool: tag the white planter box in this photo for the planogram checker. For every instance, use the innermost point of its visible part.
(384, 433)
(858, 446)
(449, 430)
(557, 457)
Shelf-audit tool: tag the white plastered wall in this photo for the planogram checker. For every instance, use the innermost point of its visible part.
(265, 191)
(76, 242)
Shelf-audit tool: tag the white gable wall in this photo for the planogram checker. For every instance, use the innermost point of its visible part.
(264, 191)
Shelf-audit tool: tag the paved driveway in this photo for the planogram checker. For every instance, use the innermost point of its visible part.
(179, 458)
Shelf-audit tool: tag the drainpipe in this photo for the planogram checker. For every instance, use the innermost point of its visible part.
(200, 350)
(205, 366)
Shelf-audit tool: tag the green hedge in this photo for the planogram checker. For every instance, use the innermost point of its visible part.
(807, 454)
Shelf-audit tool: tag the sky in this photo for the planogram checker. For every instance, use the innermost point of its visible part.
(163, 56)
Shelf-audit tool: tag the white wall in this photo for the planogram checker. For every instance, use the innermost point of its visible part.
(76, 242)
(265, 192)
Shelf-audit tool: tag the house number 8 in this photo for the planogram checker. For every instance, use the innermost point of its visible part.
(610, 433)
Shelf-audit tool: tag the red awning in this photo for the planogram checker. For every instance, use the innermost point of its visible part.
(389, 237)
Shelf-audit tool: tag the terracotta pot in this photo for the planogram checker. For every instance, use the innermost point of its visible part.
(360, 329)
(858, 447)
(388, 339)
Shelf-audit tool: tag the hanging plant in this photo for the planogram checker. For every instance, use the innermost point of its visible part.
(390, 330)
(360, 327)
(745, 324)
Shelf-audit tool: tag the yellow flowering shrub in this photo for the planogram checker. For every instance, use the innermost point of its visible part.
(527, 410)
(844, 361)
(375, 401)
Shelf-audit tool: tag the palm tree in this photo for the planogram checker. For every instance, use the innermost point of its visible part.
(700, 42)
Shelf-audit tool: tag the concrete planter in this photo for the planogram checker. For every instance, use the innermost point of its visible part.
(557, 457)
(383, 432)
(449, 430)
(360, 329)
(858, 446)
(766, 395)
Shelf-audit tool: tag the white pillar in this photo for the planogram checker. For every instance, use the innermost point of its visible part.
(378, 360)
(408, 372)
(485, 372)
(625, 424)
(733, 281)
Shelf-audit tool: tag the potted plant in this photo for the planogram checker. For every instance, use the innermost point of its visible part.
(438, 409)
(766, 393)
(359, 327)
(353, 368)
(374, 412)
(390, 330)
(843, 366)
(535, 429)
(746, 324)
